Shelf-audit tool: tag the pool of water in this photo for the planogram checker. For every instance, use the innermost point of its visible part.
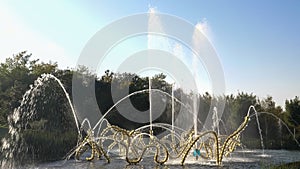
(240, 159)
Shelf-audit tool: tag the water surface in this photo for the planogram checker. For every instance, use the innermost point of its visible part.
(237, 160)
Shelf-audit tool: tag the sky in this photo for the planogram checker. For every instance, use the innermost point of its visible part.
(258, 42)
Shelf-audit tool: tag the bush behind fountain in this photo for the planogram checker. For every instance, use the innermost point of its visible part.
(41, 129)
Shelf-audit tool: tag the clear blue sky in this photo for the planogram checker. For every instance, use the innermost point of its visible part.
(258, 42)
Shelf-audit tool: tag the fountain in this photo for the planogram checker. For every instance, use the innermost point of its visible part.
(150, 106)
(195, 112)
(259, 131)
(173, 144)
(40, 116)
(216, 121)
(177, 144)
(104, 139)
(173, 108)
(280, 132)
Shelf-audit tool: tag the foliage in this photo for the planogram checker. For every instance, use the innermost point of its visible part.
(43, 125)
(19, 71)
(293, 110)
(16, 74)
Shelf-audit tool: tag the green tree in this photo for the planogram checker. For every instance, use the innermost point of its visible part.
(270, 122)
(292, 108)
(16, 74)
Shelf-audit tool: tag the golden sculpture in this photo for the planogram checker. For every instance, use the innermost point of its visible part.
(133, 147)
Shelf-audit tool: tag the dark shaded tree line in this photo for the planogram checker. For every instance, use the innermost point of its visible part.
(19, 71)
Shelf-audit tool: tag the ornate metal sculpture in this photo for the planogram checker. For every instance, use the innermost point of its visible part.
(135, 144)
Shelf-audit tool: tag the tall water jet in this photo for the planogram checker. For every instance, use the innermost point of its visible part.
(204, 64)
(150, 106)
(154, 42)
(195, 113)
(173, 108)
(155, 25)
(216, 121)
(195, 68)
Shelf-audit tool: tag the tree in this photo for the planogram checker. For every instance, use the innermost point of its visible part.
(16, 74)
(292, 108)
(270, 122)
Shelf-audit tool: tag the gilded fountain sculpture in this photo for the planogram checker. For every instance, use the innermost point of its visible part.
(134, 145)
